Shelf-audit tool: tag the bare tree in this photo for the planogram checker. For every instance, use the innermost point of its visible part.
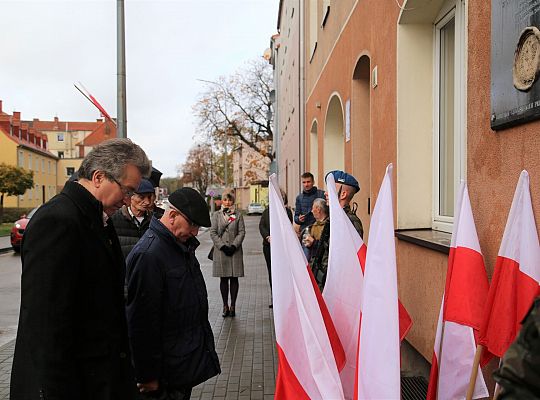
(196, 169)
(238, 107)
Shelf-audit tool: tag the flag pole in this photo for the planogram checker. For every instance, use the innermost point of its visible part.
(474, 372)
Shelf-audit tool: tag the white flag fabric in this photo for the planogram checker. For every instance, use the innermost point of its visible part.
(344, 283)
(461, 311)
(378, 353)
(307, 366)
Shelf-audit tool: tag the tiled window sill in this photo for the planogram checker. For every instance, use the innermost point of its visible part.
(434, 240)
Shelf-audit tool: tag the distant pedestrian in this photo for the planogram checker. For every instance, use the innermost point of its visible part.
(302, 212)
(227, 233)
(264, 229)
(131, 221)
(346, 186)
(167, 308)
(72, 339)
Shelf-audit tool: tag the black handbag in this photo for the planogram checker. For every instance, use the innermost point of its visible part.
(211, 254)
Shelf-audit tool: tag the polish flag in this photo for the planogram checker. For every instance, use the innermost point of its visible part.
(516, 278)
(307, 364)
(343, 290)
(461, 311)
(378, 375)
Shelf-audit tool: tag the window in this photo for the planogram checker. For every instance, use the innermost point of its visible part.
(70, 171)
(449, 133)
(43, 165)
(30, 162)
(61, 154)
(20, 161)
(60, 137)
(49, 166)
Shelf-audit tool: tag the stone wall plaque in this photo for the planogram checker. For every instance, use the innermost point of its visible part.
(515, 62)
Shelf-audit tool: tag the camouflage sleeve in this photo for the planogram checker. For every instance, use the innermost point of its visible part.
(357, 224)
(519, 374)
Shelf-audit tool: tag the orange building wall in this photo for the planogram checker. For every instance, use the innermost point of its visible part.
(495, 159)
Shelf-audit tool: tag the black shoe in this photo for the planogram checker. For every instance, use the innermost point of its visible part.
(226, 311)
(270, 305)
(232, 312)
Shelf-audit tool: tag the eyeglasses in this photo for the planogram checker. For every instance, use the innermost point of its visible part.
(126, 191)
(191, 224)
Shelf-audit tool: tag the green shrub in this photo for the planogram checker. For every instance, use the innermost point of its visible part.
(12, 214)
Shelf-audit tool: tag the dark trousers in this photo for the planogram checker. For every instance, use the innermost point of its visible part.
(266, 252)
(167, 394)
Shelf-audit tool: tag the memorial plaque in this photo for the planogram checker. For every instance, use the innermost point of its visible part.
(515, 62)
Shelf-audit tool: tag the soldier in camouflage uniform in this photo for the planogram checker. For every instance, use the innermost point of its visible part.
(519, 374)
(347, 186)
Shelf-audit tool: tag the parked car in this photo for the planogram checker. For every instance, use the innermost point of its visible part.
(17, 231)
(255, 208)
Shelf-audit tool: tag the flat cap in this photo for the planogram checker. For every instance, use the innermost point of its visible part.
(145, 187)
(192, 204)
(345, 178)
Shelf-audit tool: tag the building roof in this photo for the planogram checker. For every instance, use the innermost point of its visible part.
(64, 126)
(28, 145)
(106, 130)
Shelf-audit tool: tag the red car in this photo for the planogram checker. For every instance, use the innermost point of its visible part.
(17, 231)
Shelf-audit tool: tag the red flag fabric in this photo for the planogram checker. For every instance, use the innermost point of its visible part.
(461, 311)
(516, 277)
(307, 363)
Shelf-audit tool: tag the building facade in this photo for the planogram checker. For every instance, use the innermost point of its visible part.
(408, 83)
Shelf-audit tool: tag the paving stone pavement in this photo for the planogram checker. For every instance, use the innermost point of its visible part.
(245, 344)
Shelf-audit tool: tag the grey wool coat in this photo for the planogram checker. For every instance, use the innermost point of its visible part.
(227, 233)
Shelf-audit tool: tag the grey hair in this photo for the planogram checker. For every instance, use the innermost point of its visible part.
(321, 205)
(229, 196)
(112, 156)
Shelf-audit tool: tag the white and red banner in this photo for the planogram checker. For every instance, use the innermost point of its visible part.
(378, 375)
(461, 311)
(307, 361)
(516, 277)
(344, 283)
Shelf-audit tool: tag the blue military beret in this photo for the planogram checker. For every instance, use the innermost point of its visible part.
(345, 178)
(145, 187)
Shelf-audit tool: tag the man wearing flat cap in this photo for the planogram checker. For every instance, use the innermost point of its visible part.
(346, 186)
(167, 306)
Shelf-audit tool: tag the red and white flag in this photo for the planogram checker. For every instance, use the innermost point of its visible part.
(307, 363)
(344, 285)
(378, 353)
(516, 277)
(461, 311)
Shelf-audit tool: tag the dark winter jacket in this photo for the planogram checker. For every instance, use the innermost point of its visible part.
(264, 223)
(72, 337)
(167, 310)
(128, 230)
(319, 261)
(304, 201)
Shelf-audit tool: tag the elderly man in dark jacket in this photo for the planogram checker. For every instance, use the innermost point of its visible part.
(72, 338)
(167, 307)
(132, 220)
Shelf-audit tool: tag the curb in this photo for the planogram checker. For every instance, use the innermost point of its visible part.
(6, 250)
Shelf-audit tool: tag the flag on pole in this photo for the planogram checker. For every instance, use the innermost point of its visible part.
(378, 373)
(344, 283)
(461, 311)
(516, 278)
(307, 364)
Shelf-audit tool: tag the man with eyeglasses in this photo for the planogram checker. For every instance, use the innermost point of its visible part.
(72, 338)
(167, 306)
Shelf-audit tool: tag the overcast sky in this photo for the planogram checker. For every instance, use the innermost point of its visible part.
(46, 46)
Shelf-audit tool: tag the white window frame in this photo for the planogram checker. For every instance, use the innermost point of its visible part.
(452, 9)
(59, 137)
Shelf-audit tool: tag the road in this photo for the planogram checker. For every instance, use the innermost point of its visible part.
(10, 295)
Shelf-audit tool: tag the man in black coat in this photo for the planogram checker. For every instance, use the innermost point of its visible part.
(72, 337)
(132, 220)
(167, 307)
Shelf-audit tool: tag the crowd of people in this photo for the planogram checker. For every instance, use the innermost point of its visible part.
(113, 301)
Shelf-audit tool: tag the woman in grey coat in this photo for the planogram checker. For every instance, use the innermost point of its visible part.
(227, 233)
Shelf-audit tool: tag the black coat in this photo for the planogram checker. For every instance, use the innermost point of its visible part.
(264, 223)
(72, 336)
(167, 311)
(127, 229)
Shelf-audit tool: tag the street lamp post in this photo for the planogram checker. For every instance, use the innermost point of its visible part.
(121, 70)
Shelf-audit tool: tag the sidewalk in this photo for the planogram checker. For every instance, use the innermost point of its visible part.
(245, 344)
(5, 244)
